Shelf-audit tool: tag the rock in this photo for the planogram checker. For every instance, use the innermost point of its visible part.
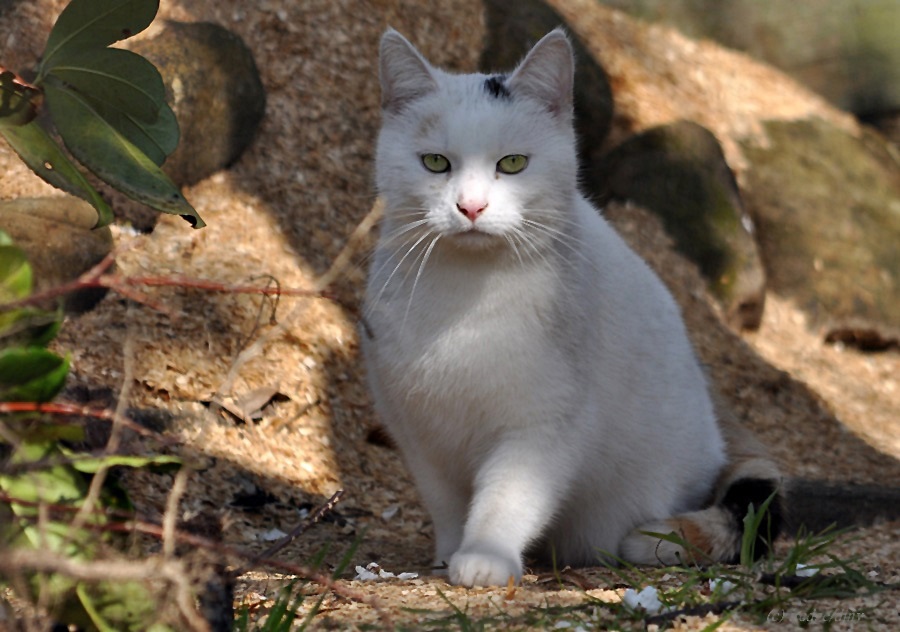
(678, 171)
(513, 28)
(57, 235)
(827, 210)
(846, 50)
(888, 125)
(213, 86)
(864, 336)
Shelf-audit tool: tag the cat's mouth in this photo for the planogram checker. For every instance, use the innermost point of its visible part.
(476, 238)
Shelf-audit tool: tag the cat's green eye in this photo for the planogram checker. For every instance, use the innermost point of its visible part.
(436, 163)
(512, 164)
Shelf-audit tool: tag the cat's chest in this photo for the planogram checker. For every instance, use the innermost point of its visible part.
(462, 327)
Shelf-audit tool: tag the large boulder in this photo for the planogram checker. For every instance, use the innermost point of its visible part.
(846, 50)
(827, 208)
(513, 28)
(214, 88)
(678, 172)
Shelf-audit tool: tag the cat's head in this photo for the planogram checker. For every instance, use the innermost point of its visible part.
(483, 160)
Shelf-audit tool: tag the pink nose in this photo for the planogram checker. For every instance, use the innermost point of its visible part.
(471, 208)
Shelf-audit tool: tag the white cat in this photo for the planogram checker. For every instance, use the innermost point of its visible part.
(534, 372)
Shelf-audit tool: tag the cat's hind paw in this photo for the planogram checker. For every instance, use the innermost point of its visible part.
(484, 568)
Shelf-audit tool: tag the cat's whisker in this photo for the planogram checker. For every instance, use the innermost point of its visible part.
(402, 230)
(513, 245)
(540, 257)
(568, 235)
(554, 215)
(421, 267)
(394, 253)
(533, 252)
(397, 267)
(563, 239)
(557, 224)
(400, 214)
(389, 239)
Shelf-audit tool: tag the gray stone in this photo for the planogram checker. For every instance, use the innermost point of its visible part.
(57, 236)
(513, 28)
(679, 172)
(827, 210)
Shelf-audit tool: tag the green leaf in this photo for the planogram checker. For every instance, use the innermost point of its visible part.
(156, 140)
(92, 24)
(29, 327)
(87, 602)
(17, 100)
(115, 498)
(120, 606)
(160, 137)
(31, 374)
(752, 524)
(90, 465)
(15, 274)
(124, 80)
(54, 484)
(50, 432)
(47, 160)
(26, 326)
(106, 152)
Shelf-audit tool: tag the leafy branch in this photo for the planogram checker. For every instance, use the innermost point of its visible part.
(38, 468)
(13, 561)
(48, 488)
(106, 104)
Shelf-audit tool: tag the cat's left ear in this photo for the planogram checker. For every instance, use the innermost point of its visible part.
(547, 74)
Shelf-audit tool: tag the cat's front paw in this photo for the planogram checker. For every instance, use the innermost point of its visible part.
(484, 568)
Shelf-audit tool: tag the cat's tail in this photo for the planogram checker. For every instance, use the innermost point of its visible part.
(716, 533)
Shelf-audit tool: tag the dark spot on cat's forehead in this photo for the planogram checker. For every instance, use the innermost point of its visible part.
(496, 87)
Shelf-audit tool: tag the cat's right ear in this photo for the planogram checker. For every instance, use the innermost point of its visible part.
(405, 75)
(547, 74)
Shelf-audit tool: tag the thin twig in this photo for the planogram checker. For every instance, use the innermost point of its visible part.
(342, 261)
(112, 444)
(694, 611)
(76, 410)
(47, 560)
(87, 280)
(96, 277)
(337, 268)
(323, 510)
(170, 517)
(115, 281)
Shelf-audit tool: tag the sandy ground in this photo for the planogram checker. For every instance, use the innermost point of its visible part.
(291, 205)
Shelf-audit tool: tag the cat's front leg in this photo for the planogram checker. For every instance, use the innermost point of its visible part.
(516, 494)
(446, 501)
